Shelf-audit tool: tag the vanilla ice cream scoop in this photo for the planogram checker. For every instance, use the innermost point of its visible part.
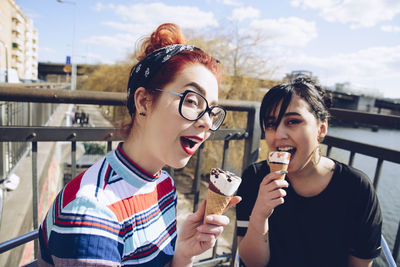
(279, 157)
(224, 182)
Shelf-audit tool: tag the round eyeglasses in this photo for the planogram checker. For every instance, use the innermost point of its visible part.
(193, 106)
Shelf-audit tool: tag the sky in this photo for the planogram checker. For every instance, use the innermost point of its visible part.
(340, 41)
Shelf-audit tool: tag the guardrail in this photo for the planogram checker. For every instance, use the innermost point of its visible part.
(250, 136)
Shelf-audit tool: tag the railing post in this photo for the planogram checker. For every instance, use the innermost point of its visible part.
(225, 151)
(109, 146)
(396, 246)
(35, 192)
(328, 151)
(252, 142)
(73, 159)
(3, 157)
(196, 181)
(377, 173)
(351, 160)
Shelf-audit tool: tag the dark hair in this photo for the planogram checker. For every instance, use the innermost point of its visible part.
(318, 99)
(165, 35)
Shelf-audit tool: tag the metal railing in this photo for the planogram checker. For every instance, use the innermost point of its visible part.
(19, 113)
(250, 135)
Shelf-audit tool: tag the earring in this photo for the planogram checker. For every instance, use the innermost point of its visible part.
(316, 155)
(142, 114)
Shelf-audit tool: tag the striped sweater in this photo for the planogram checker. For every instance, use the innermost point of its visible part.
(113, 214)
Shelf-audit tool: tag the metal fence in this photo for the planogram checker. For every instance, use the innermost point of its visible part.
(14, 113)
(250, 135)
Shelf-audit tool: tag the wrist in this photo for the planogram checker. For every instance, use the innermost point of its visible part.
(181, 258)
(260, 228)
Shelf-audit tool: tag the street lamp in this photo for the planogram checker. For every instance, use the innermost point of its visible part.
(73, 59)
(6, 72)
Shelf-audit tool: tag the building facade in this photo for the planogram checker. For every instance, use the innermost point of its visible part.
(18, 43)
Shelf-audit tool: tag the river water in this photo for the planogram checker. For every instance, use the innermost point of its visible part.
(389, 184)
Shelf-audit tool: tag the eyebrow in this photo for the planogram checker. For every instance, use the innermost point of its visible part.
(291, 114)
(197, 87)
(201, 91)
(285, 115)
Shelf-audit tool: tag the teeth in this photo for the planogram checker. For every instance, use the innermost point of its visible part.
(193, 140)
(286, 148)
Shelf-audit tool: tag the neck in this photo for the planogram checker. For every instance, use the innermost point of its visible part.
(312, 179)
(134, 146)
(307, 173)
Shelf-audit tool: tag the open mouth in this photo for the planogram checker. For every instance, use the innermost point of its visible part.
(190, 143)
(290, 149)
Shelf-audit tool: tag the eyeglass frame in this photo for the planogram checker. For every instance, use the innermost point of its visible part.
(182, 97)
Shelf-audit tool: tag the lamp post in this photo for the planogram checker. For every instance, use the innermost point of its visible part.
(73, 59)
(6, 72)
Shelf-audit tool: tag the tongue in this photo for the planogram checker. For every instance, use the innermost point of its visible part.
(186, 142)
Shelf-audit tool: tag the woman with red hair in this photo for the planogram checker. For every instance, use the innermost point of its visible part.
(122, 210)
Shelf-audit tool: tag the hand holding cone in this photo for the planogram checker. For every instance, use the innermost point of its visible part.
(279, 161)
(221, 189)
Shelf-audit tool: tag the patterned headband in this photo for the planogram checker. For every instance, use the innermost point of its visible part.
(146, 68)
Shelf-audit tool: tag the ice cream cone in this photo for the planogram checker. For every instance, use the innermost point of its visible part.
(221, 189)
(278, 167)
(279, 161)
(216, 203)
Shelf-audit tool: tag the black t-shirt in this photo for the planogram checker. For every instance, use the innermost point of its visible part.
(323, 230)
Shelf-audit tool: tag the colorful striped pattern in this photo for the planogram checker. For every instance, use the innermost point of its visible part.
(115, 214)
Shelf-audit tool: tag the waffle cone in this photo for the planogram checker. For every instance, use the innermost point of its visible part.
(278, 167)
(216, 203)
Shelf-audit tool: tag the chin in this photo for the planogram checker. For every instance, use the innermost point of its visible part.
(179, 164)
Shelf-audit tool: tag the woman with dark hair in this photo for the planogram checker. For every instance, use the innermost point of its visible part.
(122, 210)
(325, 213)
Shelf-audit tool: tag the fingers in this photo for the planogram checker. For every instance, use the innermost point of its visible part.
(271, 194)
(199, 214)
(273, 182)
(279, 193)
(207, 241)
(207, 229)
(234, 201)
(219, 220)
(209, 233)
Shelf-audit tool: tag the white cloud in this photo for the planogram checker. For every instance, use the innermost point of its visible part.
(290, 31)
(134, 28)
(230, 2)
(357, 13)
(121, 44)
(93, 58)
(139, 20)
(390, 28)
(157, 13)
(99, 6)
(374, 67)
(243, 13)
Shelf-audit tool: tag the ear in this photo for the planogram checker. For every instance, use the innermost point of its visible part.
(143, 100)
(323, 130)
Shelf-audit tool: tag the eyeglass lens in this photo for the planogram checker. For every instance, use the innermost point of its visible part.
(194, 105)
